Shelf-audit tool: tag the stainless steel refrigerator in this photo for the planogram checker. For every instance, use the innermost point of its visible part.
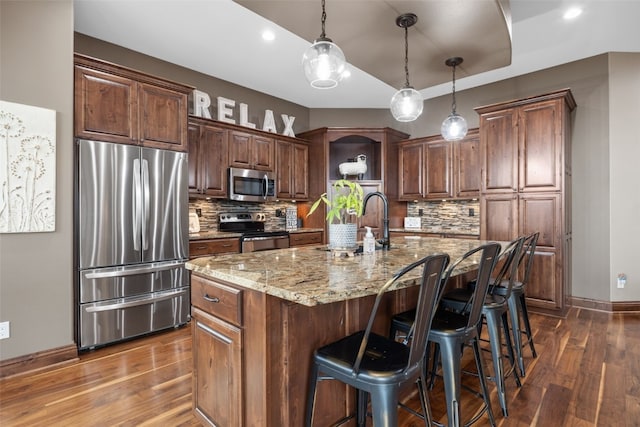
(132, 241)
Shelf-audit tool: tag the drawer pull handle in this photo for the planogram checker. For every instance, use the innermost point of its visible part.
(210, 299)
(226, 245)
(201, 247)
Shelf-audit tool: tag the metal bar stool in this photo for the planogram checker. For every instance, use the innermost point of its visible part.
(517, 301)
(494, 312)
(453, 331)
(377, 365)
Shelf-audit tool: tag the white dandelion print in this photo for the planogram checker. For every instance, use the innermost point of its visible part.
(27, 168)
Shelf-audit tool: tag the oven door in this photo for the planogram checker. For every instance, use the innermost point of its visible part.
(266, 243)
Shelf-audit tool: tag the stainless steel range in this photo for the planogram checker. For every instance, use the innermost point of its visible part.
(254, 238)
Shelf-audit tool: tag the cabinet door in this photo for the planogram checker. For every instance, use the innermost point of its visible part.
(163, 117)
(499, 217)
(541, 139)
(240, 150)
(217, 370)
(411, 167)
(194, 159)
(300, 177)
(466, 167)
(284, 170)
(105, 106)
(499, 151)
(263, 153)
(213, 151)
(543, 213)
(438, 170)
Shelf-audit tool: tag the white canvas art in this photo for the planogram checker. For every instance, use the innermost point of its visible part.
(27, 168)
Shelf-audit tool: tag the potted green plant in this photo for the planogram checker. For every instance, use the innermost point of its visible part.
(345, 204)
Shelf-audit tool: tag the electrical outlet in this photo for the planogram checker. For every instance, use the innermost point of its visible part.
(5, 330)
(420, 212)
(472, 212)
(622, 280)
(198, 211)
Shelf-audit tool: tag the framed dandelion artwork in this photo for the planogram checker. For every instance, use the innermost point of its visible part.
(27, 168)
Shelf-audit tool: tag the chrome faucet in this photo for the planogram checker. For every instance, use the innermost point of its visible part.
(386, 241)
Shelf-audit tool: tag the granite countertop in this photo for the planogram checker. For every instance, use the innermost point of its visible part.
(304, 230)
(311, 275)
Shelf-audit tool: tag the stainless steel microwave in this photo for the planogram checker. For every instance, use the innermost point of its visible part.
(248, 185)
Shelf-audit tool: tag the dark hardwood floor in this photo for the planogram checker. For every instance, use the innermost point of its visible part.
(587, 374)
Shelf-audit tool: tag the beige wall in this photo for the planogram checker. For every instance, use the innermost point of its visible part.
(36, 286)
(624, 153)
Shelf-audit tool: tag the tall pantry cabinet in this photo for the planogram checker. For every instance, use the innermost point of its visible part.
(525, 149)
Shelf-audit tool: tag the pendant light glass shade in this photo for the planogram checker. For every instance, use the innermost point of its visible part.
(454, 127)
(407, 103)
(323, 63)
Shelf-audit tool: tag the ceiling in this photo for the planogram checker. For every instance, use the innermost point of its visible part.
(223, 38)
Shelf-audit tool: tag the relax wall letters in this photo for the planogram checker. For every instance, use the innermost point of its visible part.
(225, 106)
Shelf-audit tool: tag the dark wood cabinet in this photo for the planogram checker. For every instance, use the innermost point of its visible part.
(251, 151)
(207, 247)
(526, 163)
(207, 159)
(292, 175)
(466, 166)
(328, 147)
(434, 169)
(218, 398)
(305, 238)
(116, 104)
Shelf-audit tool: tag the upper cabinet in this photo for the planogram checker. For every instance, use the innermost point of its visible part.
(207, 158)
(292, 170)
(523, 145)
(434, 169)
(251, 151)
(116, 104)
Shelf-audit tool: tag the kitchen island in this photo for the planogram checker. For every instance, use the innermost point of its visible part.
(257, 318)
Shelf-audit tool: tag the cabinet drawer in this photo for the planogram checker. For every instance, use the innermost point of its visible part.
(299, 239)
(214, 246)
(217, 299)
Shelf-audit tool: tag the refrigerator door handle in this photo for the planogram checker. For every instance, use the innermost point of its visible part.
(145, 193)
(137, 302)
(107, 273)
(137, 204)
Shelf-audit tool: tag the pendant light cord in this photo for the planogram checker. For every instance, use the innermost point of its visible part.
(406, 56)
(323, 18)
(453, 104)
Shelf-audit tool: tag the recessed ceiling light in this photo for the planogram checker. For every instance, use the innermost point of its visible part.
(572, 12)
(268, 35)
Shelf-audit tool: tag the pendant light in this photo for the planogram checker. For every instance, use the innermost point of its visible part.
(454, 126)
(323, 62)
(407, 103)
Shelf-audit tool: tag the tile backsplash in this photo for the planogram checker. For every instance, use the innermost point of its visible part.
(447, 216)
(211, 208)
(439, 217)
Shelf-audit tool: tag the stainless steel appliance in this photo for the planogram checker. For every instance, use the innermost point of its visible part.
(251, 225)
(248, 185)
(132, 241)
